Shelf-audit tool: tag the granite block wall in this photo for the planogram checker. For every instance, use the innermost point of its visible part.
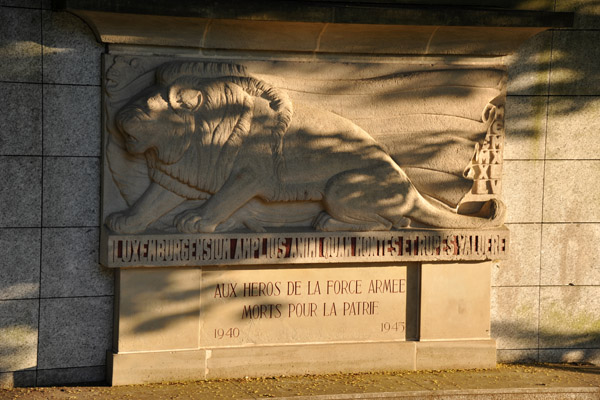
(546, 303)
(56, 301)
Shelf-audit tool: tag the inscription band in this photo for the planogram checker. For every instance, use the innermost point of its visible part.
(304, 248)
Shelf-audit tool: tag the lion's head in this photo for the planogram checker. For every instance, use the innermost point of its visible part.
(193, 97)
(150, 123)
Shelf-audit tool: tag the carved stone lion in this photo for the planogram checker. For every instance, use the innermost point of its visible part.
(210, 131)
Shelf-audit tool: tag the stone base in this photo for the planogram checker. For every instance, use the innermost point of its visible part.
(174, 324)
(240, 362)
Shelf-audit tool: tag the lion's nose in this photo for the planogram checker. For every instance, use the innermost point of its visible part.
(128, 127)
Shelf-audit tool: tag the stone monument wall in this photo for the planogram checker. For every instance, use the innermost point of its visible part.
(56, 302)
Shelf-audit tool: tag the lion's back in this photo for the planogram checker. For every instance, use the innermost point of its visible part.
(318, 124)
(320, 144)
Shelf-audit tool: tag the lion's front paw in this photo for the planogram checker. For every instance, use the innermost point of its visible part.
(321, 221)
(192, 221)
(123, 222)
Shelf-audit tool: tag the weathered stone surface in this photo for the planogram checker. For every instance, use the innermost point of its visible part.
(158, 309)
(571, 191)
(71, 192)
(302, 305)
(21, 3)
(522, 267)
(570, 356)
(262, 306)
(21, 119)
(471, 13)
(17, 379)
(569, 317)
(574, 63)
(514, 312)
(523, 190)
(19, 263)
(20, 49)
(414, 39)
(257, 361)
(18, 330)
(456, 354)
(71, 54)
(517, 356)
(316, 358)
(162, 366)
(20, 191)
(529, 67)
(359, 187)
(74, 332)
(71, 120)
(70, 376)
(587, 12)
(455, 301)
(125, 28)
(525, 127)
(70, 264)
(406, 30)
(271, 36)
(573, 127)
(570, 254)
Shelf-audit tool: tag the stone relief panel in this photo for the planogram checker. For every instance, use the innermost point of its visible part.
(229, 150)
(207, 147)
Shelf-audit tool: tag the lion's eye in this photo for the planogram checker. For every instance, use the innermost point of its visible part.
(189, 98)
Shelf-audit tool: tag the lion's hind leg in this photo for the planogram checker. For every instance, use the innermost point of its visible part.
(366, 199)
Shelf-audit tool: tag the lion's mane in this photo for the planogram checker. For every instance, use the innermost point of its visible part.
(190, 169)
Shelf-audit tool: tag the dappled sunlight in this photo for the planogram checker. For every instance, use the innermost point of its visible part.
(568, 347)
(440, 125)
(156, 300)
(22, 49)
(19, 290)
(18, 347)
(566, 75)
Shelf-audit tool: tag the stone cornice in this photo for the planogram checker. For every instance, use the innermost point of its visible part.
(315, 26)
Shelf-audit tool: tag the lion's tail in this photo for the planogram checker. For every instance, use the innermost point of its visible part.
(427, 213)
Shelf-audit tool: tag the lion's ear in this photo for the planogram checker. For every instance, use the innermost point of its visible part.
(182, 98)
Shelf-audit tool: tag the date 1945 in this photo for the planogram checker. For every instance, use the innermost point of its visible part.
(392, 327)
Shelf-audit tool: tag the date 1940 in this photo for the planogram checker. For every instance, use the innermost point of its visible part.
(221, 333)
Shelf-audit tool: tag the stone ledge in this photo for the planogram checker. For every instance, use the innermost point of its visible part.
(315, 27)
(342, 12)
(239, 362)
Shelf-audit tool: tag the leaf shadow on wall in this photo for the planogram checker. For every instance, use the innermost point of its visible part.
(558, 347)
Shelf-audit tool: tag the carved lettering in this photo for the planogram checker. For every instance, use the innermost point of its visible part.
(361, 307)
(246, 248)
(225, 290)
(302, 310)
(329, 310)
(387, 286)
(344, 287)
(258, 311)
